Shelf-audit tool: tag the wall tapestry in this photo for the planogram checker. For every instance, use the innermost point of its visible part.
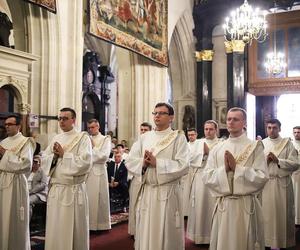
(138, 25)
(47, 4)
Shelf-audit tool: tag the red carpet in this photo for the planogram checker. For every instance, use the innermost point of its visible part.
(118, 238)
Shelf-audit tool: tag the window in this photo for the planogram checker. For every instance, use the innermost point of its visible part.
(287, 41)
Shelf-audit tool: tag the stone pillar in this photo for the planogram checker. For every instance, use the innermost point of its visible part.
(203, 88)
(235, 74)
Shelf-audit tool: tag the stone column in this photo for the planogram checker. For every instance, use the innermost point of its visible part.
(203, 88)
(235, 74)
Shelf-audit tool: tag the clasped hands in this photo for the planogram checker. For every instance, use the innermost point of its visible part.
(229, 161)
(58, 150)
(272, 158)
(113, 183)
(149, 159)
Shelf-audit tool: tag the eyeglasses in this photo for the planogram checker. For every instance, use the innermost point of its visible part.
(63, 118)
(9, 124)
(160, 113)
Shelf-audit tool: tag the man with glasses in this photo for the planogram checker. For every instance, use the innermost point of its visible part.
(278, 196)
(159, 159)
(97, 187)
(67, 160)
(187, 179)
(16, 153)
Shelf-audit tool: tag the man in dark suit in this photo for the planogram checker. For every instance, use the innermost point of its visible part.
(118, 185)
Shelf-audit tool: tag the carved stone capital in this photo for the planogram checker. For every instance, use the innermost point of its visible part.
(24, 108)
(228, 47)
(234, 46)
(204, 55)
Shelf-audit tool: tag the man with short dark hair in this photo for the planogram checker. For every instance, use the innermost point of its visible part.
(159, 159)
(117, 181)
(296, 175)
(145, 127)
(67, 160)
(201, 203)
(16, 153)
(236, 172)
(187, 179)
(135, 186)
(277, 197)
(120, 148)
(97, 187)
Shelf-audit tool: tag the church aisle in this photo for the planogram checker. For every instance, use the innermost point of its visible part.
(118, 238)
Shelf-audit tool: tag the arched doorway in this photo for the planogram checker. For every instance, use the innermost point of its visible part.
(8, 102)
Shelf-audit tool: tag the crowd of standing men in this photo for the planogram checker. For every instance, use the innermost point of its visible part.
(237, 193)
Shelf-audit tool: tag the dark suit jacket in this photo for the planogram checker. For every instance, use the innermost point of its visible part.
(120, 176)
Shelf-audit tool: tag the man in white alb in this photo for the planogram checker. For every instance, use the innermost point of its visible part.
(67, 160)
(97, 186)
(236, 172)
(16, 153)
(296, 175)
(201, 202)
(159, 160)
(278, 195)
(186, 181)
(135, 186)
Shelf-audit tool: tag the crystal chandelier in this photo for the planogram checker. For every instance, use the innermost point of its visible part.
(246, 23)
(275, 61)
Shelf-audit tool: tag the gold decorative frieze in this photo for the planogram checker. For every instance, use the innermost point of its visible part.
(234, 46)
(204, 55)
(228, 47)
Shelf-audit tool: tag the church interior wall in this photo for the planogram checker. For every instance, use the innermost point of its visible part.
(59, 40)
(182, 68)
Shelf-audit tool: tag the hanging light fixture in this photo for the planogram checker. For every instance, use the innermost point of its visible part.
(275, 61)
(246, 23)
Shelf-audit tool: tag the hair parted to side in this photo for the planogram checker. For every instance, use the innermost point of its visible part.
(93, 120)
(167, 105)
(17, 118)
(120, 145)
(274, 121)
(236, 109)
(67, 109)
(212, 122)
(146, 124)
(191, 129)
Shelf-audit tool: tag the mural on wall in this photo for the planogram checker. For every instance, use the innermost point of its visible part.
(138, 25)
(47, 4)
